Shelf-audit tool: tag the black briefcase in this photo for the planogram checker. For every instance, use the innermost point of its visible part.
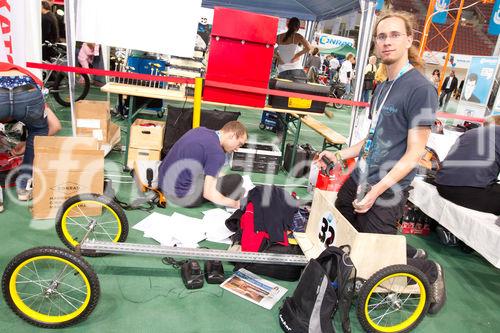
(298, 104)
(303, 159)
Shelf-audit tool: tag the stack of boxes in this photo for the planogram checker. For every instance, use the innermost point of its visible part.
(93, 120)
(146, 141)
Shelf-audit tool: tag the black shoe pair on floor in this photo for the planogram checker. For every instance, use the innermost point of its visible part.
(192, 275)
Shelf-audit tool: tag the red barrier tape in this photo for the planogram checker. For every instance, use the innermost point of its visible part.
(459, 117)
(102, 72)
(216, 84)
(265, 91)
(223, 85)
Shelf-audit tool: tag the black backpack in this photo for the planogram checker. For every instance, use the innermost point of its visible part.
(180, 120)
(323, 288)
(369, 78)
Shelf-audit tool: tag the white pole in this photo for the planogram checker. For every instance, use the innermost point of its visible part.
(496, 51)
(69, 18)
(365, 33)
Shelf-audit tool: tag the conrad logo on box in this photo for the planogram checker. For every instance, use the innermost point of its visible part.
(67, 188)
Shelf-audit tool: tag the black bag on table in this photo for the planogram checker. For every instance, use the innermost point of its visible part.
(323, 288)
(303, 157)
(180, 120)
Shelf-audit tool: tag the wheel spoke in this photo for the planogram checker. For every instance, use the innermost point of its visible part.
(105, 232)
(383, 301)
(81, 289)
(83, 214)
(67, 301)
(76, 223)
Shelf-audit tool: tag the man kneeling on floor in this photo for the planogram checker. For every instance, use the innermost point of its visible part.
(189, 174)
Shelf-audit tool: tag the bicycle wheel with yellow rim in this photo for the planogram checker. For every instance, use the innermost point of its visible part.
(394, 299)
(50, 287)
(97, 216)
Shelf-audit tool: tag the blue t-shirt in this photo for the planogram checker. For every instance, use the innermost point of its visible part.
(196, 154)
(411, 102)
(474, 159)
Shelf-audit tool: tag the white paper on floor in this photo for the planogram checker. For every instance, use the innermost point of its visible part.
(215, 226)
(185, 231)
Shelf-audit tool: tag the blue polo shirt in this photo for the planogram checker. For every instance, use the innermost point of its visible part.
(196, 154)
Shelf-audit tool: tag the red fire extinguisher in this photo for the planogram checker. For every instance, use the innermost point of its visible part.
(334, 176)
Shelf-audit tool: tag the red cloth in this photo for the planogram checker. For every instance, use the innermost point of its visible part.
(5, 66)
(250, 239)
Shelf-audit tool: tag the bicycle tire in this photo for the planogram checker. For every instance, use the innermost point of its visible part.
(375, 281)
(59, 82)
(106, 205)
(52, 262)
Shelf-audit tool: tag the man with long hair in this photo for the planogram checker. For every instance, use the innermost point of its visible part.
(402, 111)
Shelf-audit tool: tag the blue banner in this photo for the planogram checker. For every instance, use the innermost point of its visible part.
(477, 86)
(380, 5)
(494, 28)
(441, 7)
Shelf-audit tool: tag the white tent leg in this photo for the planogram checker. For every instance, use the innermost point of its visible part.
(365, 33)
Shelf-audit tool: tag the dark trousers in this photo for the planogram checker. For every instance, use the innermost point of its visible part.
(482, 199)
(446, 95)
(296, 75)
(381, 219)
(229, 186)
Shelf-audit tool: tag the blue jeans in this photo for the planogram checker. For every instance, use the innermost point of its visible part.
(366, 96)
(331, 75)
(27, 107)
(347, 87)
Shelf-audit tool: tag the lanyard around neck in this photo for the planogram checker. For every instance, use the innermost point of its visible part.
(376, 105)
(376, 114)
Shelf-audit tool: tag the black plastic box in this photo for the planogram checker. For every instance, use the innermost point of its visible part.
(256, 157)
(303, 157)
(280, 102)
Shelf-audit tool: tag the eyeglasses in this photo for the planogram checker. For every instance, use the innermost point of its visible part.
(393, 36)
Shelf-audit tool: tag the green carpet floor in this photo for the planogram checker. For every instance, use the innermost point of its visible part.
(140, 294)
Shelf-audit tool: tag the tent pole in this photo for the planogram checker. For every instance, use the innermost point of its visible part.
(365, 32)
(69, 17)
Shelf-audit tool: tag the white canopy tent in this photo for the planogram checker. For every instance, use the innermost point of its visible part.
(311, 10)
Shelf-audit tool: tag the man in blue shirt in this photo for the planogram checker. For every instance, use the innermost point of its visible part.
(469, 175)
(189, 174)
(402, 111)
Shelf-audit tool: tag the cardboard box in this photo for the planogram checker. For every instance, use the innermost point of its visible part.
(92, 119)
(114, 138)
(141, 154)
(147, 134)
(64, 167)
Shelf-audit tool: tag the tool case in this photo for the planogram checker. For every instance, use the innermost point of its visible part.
(294, 103)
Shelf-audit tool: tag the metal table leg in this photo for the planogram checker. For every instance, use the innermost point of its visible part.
(283, 138)
(295, 142)
(130, 120)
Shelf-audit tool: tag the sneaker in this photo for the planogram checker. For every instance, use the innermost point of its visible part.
(23, 194)
(1, 207)
(420, 254)
(437, 292)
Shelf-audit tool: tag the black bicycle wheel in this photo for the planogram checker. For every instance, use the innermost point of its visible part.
(394, 299)
(61, 88)
(50, 287)
(77, 215)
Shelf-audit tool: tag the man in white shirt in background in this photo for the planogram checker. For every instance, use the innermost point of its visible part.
(333, 66)
(346, 72)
